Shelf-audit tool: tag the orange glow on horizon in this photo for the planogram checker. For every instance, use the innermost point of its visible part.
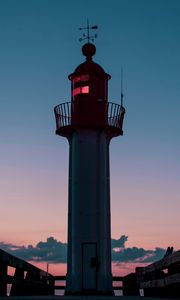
(118, 269)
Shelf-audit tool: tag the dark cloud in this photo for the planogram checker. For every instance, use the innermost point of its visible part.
(128, 254)
(135, 254)
(120, 243)
(49, 251)
(55, 251)
(156, 254)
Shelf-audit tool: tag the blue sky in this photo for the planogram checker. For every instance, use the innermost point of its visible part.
(39, 48)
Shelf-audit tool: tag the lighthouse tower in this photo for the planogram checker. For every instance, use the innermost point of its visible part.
(89, 122)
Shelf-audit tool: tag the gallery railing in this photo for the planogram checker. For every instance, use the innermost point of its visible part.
(114, 115)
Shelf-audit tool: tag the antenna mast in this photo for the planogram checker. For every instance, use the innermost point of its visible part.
(122, 95)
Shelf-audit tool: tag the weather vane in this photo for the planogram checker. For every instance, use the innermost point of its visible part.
(87, 35)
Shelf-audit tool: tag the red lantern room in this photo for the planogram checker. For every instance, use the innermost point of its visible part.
(89, 90)
(89, 107)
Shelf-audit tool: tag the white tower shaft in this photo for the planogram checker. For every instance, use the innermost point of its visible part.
(89, 238)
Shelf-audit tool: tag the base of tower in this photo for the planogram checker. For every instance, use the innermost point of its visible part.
(89, 293)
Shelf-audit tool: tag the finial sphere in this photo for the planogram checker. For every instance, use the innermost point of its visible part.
(88, 50)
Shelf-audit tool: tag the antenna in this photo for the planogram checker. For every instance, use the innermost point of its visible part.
(122, 95)
(87, 35)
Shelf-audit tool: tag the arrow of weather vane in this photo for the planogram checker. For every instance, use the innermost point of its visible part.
(87, 35)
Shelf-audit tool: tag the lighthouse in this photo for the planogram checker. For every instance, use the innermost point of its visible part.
(89, 122)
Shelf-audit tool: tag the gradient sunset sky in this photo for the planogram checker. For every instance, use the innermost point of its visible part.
(39, 49)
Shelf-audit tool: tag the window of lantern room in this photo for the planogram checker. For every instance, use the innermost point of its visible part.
(80, 85)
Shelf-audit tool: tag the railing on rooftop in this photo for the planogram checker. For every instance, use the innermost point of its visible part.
(114, 115)
(63, 114)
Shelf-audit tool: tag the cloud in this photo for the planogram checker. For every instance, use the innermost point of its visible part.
(120, 243)
(128, 254)
(135, 254)
(122, 254)
(56, 252)
(49, 251)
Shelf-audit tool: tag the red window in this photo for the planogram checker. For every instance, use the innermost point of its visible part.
(80, 90)
(81, 78)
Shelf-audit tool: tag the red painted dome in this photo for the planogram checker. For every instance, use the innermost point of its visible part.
(89, 66)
